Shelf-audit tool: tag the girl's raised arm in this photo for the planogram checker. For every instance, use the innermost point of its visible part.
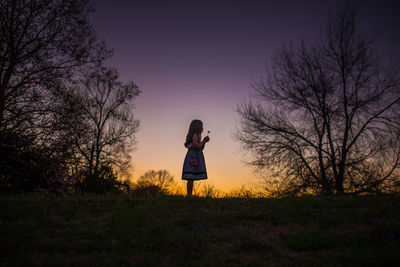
(197, 143)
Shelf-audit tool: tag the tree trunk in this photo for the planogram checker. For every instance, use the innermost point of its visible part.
(2, 102)
(340, 178)
(339, 186)
(2, 107)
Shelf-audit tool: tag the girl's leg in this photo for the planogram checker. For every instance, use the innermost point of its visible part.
(189, 188)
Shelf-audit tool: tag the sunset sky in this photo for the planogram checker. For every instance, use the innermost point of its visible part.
(198, 60)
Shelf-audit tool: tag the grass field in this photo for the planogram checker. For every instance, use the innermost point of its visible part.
(176, 231)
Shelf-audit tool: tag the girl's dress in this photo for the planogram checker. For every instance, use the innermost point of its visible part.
(194, 166)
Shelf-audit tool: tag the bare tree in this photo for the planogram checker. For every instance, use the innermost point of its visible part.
(43, 46)
(108, 122)
(162, 178)
(326, 118)
(41, 43)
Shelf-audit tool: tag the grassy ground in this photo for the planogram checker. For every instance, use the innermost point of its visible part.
(176, 231)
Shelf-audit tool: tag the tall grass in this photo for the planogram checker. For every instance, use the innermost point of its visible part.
(208, 190)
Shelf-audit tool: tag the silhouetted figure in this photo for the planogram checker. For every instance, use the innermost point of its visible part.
(194, 166)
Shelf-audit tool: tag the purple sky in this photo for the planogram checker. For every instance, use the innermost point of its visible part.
(198, 59)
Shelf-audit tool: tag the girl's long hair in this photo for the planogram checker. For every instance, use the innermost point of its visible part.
(195, 128)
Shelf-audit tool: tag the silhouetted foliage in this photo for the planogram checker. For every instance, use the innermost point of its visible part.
(41, 44)
(25, 168)
(327, 117)
(72, 114)
(104, 181)
(161, 179)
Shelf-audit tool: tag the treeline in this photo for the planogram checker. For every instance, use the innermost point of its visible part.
(66, 119)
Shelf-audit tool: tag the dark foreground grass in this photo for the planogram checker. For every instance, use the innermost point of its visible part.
(176, 231)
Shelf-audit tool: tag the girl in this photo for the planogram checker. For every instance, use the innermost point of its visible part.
(194, 166)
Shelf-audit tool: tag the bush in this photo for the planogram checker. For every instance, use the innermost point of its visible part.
(25, 168)
(104, 181)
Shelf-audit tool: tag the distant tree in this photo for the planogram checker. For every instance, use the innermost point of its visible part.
(327, 117)
(41, 44)
(162, 179)
(107, 122)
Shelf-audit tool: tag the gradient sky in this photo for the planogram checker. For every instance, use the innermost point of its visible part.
(198, 60)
